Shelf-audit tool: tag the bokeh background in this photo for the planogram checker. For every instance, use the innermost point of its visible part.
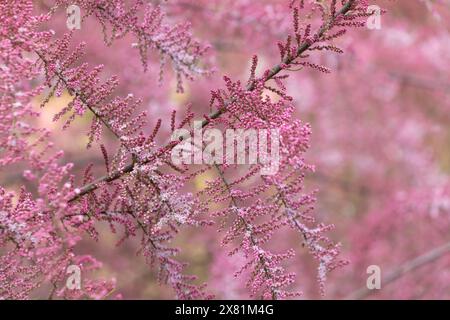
(380, 143)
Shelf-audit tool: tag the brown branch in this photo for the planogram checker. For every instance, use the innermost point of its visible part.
(272, 73)
(405, 268)
(73, 92)
(247, 227)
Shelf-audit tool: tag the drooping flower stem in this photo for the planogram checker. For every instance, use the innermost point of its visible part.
(287, 61)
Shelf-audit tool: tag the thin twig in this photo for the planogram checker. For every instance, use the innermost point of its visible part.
(273, 72)
(247, 227)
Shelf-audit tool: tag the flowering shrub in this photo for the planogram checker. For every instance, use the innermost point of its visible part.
(257, 226)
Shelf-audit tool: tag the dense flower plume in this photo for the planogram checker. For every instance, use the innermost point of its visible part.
(17, 35)
(145, 199)
(255, 221)
(40, 240)
(136, 196)
(88, 92)
(173, 43)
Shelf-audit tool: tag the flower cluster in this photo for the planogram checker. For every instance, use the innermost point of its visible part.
(173, 43)
(88, 92)
(39, 241)
(254, 221)
(18, 34)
